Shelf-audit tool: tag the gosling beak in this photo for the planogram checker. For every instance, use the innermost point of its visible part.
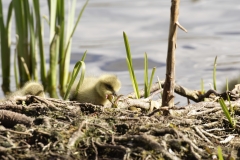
(114, 93)
(111, 96)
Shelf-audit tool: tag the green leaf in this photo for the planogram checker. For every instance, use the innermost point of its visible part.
(130, 66)
(5, 43)
(77, 67)
(66, 55)
(75, 72)
(151, 79)
(226, 112)
(39, 38)
(220, 154)
(146, 91)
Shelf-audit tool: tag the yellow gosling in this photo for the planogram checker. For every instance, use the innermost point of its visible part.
(29, 88)
(96, 89)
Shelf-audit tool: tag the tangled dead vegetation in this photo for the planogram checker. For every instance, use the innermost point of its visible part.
(44, 128)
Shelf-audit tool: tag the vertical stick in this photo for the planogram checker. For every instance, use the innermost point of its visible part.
(168, 92)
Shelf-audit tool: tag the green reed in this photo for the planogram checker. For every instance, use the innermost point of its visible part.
(30, 43)
(147, 85)
(79, 65)
(5, 42)
(130, 66)
(230, 118)
(220, 154)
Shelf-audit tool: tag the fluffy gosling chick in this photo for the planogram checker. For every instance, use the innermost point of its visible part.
(29, 88)
(96, 89)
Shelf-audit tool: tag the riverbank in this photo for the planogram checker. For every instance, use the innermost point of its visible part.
(45, 128)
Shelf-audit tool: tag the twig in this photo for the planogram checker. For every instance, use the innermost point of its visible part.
(76, 135)
(202, 135)
(9, 118)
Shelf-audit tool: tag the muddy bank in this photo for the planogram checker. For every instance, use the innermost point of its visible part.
(44, 128)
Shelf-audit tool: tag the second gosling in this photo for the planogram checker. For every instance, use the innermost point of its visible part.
(96, 89)
(29, 88)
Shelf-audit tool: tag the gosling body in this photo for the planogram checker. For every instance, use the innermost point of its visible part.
(96, 89)
(29, 88)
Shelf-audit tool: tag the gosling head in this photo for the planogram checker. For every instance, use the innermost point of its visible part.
(33, 88)
(108, 85)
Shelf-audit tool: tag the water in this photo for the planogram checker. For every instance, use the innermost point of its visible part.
(213, 30)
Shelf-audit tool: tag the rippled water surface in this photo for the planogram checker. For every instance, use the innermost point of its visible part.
(213, 30)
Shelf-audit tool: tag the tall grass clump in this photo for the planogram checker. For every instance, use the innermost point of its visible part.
(79, 65)
(147, 85)
(30, 43)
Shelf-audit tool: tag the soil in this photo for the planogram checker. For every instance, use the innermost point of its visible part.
(44, 128)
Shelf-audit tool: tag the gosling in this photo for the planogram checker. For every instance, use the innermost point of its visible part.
(29, 88)
(95, 90)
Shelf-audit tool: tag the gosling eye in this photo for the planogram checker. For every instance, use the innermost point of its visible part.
(109, 87)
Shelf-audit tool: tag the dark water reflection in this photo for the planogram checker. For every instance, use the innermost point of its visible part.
(121, 65)
(75, 57)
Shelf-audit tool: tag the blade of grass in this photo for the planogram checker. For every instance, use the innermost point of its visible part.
(202, 86)
(79, 65)
(32, 51)
(54, 47)
(226, 112)
(130, 66)
(220, 154)
(75, 72)
(61, 23)
(5, 40)
(214, 73)
(22, 31)
(39, 35)
(228, 98)
(151, 79)
(227, 88)
(15, 65)
(26, 68)
(53, 12)
(128, 51)
(81, 77)
(146, 92)
(133, 79)
(66, 56)
(147, 85)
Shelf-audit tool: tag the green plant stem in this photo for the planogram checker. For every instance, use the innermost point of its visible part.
(54, 48)
(22, 31)
(226, 112)
(202, 86)
(32, 65)
(5, 40)
(146, 92)
(220, 155)
(39, 35)
(151, 80)
(130, 66)
(65, 57)
(79, 65)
